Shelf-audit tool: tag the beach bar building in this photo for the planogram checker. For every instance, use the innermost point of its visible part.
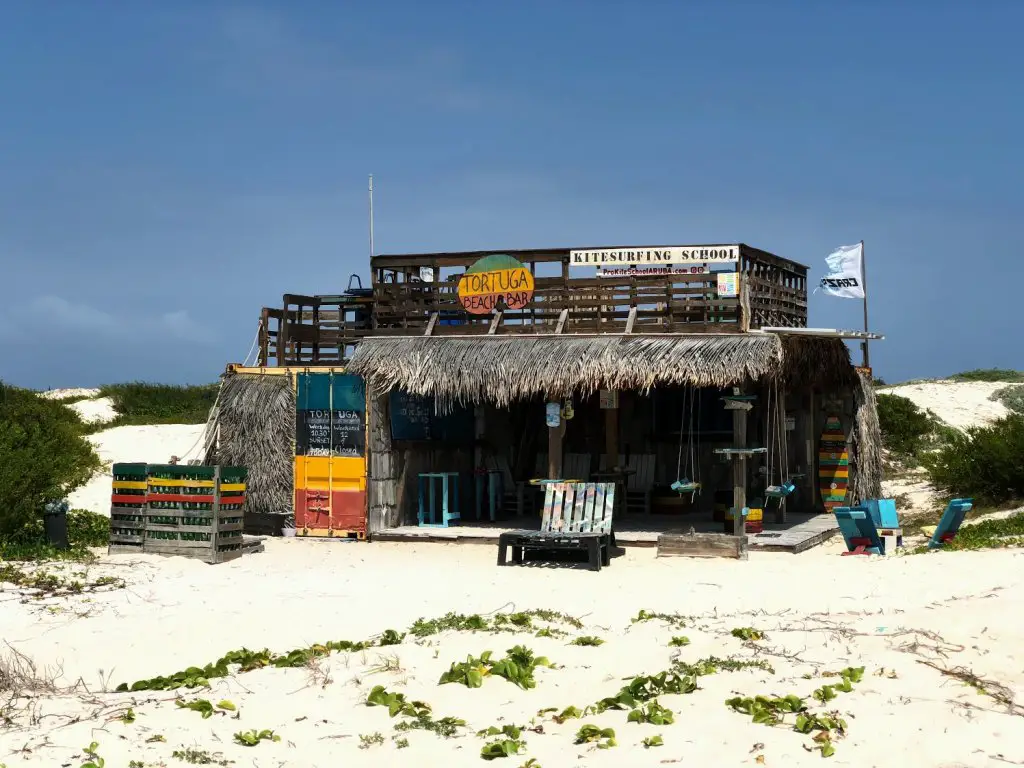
(434, 402)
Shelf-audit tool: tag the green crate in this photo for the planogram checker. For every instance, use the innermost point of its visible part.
(181, 472)
(130, 472)
(233, 474)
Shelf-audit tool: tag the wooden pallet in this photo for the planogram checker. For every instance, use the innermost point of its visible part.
(702, 545)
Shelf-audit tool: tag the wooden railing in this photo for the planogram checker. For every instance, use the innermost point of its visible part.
(323, 330)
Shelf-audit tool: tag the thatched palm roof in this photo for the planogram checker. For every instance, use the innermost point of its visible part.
(502, 369)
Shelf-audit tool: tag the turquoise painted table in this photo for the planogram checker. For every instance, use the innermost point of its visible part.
(428, 487)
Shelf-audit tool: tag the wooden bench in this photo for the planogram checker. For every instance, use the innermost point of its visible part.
(576, 517)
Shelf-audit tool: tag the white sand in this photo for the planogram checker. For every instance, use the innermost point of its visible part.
(67, 394)
(98, 411)
(153, 444)
(822, 613)
(958, 403)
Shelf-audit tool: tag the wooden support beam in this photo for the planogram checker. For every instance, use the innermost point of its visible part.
(563, 317)
(809, 437)
(739, 471)
(495, 322)
(555, 450)
(430, 324)
(631, 319)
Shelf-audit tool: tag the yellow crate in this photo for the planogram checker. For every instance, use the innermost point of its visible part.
(136, 485)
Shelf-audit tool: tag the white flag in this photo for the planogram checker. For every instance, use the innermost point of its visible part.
(846, 275)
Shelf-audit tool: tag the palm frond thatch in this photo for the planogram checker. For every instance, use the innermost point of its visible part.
(504, 369)
(255, 423)
(867, 480)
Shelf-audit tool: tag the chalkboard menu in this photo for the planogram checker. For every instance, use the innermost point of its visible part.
(330, 433)
(414, 417)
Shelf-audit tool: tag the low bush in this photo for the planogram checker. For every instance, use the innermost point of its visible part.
(989, 374)
(983, 463)
(45, 455)
(905, 427)
(1012, 397)
(142, 403)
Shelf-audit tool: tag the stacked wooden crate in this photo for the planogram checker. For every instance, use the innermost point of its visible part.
(128, 508)
(185, 510)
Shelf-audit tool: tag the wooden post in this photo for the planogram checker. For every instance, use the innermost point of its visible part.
(264, 337)
(215, 522)
(555, 450)
(739, 471)
(611, 436)
(810, 452)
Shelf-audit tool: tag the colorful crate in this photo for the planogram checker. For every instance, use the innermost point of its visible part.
(754, 522)
(330, 455)
(173, 509)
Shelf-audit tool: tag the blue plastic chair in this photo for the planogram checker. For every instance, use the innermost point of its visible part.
(951, 521)
(859, 531)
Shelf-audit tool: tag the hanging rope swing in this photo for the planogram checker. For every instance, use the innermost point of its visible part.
(778, 450)
(685, 484)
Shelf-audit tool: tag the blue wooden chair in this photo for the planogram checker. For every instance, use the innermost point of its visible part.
(859, 531)
(952, 519)
(886, 519)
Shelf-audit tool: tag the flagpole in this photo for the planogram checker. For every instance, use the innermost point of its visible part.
(371, 225)
(864, 287)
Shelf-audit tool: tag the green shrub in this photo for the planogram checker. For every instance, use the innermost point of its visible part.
(141, 403)
(984, 463)
(1012, 397)
(905, 427)
(44, 455)
(989, 374)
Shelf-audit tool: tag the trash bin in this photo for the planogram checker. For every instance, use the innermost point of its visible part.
(55, 524)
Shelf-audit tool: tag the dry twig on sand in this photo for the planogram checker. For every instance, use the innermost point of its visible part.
(985, 686)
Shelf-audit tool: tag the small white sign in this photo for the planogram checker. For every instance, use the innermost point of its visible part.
(660, 255)
(427, 274)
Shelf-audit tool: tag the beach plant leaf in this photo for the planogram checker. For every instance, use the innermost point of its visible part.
(653, 741)
(501, 748)
(652, 713)
(253, 737)
(748, 634)
(603, 738)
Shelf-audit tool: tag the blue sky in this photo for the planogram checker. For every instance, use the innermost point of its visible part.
(167, 168)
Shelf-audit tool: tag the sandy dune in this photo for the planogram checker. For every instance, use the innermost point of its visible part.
(958, 403)
(821, 613)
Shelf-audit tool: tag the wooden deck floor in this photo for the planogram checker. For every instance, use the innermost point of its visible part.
(800, 532)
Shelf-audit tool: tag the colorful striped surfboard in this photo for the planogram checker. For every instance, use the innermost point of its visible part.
(833, 464)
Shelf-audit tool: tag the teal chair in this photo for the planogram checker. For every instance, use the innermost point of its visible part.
(951, 521)
(884, 516)
(859, 531)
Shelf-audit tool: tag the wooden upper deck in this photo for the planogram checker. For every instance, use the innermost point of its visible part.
(416, 294)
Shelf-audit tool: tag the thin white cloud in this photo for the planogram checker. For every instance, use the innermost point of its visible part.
(50, 314)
